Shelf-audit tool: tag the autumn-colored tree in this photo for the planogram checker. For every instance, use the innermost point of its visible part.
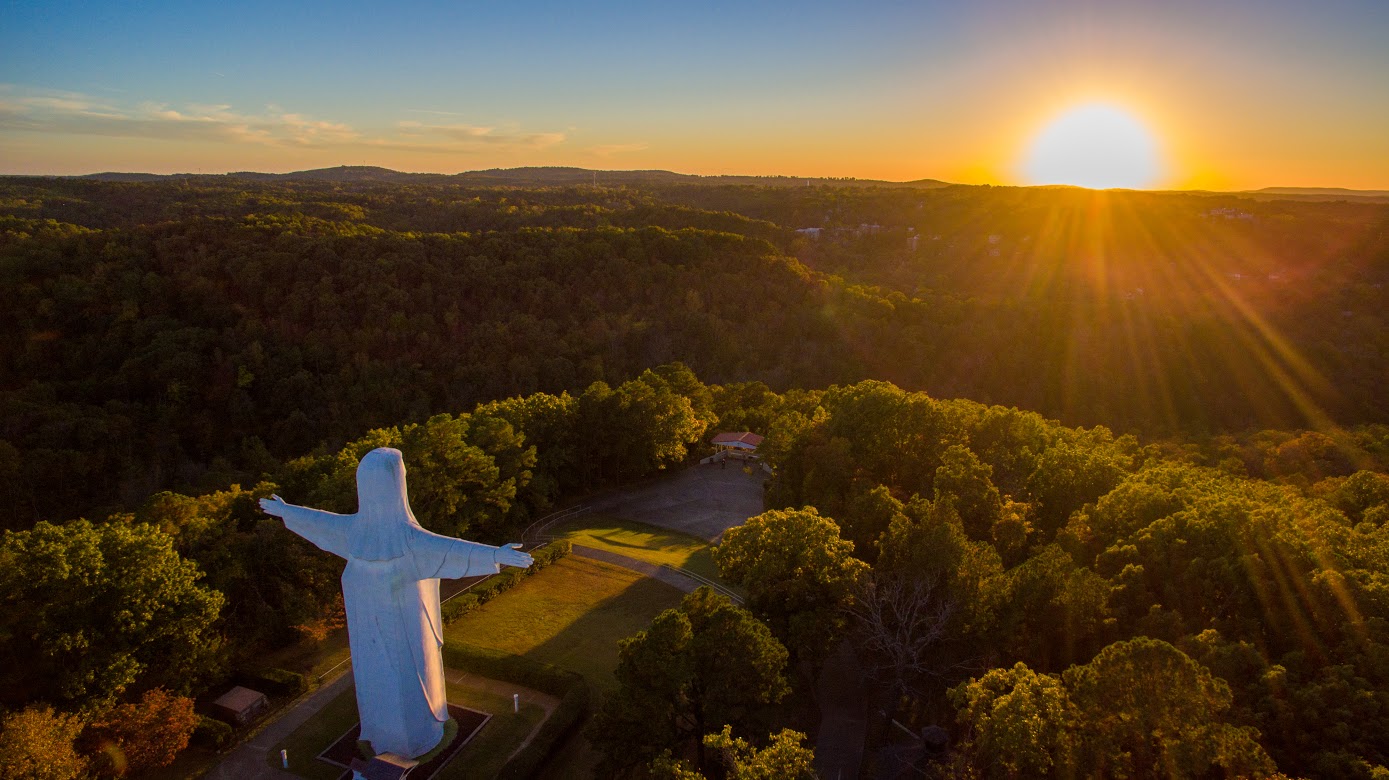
(136, 736)
(36, 743)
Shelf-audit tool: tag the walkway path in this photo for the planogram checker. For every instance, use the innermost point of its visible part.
(841, 694)
(671, 576)
(500, 688)
(249, 761)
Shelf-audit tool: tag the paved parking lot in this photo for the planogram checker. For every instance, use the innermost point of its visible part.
(702, 501)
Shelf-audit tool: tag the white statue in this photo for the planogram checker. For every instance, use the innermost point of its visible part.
(391, 590)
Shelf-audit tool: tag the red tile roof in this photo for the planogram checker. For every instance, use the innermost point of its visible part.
(741, 437)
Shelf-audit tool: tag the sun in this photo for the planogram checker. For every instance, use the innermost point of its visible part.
(1096, 145)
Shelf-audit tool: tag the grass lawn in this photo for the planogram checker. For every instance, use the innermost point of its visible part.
(482, 758)
(642, 541)
(571, 614)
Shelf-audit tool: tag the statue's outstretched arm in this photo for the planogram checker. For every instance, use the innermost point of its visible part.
(449, 558)
(327, 530)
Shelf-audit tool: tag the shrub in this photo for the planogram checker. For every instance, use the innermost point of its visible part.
(212, 733)
(549, 553)
(459, 606)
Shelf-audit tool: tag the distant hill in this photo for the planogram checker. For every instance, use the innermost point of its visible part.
(1325, 191)
(1321, 193)
(116, 176)
(555, 176)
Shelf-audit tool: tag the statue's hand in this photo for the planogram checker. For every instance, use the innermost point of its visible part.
(511, 555)
(273, 506)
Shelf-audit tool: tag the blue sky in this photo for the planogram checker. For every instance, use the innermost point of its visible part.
(1241, 93)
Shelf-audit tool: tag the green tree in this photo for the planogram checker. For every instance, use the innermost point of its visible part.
(799, 575)
(964, 479)
(1019, 724)
(1139, 709)
(90, 609)
(1151, 711)
(785, 758)
(1074, 472)
(706, 663)
(866, 518)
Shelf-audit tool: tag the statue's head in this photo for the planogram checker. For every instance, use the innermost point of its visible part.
(382, 504)
(381, 480)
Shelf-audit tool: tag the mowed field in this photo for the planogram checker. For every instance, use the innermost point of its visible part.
(571, 614)
(641, 541)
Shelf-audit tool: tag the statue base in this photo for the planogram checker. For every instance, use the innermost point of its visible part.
(462, 726)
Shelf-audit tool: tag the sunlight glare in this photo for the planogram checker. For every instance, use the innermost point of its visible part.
(1097, 146)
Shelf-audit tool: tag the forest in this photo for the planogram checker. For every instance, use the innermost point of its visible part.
(1122, 456)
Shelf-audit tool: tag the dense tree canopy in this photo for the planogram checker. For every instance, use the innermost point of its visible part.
(701, 666)
(89, 609)
(163, 344)
(1006, 538)
(798, 573)
(1140, 709)
(175, 334)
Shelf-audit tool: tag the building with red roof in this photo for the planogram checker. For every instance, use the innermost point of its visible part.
(741, 442)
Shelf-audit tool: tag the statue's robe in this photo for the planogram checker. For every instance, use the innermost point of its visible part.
(391, 591)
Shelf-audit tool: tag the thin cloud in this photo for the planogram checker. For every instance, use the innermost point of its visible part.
(73, 113)
(479, 135)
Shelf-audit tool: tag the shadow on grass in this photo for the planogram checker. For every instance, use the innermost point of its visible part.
(482, 757)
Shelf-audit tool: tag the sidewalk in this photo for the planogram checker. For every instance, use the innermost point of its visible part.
(655, 571)
(841, 693)
(249, 761)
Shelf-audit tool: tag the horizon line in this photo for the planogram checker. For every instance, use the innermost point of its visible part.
(1272, 189)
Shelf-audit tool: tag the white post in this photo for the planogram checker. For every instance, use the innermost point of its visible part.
(284, 758)
(515, 702)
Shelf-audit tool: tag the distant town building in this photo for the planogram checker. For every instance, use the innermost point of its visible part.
(810, 232)
(912, 241)
(1229, 213)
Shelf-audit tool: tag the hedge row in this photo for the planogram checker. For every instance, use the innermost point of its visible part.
(497, 584)
(274, 683)
(570, 687)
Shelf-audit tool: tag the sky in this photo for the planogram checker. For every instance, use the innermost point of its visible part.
(1235, 94)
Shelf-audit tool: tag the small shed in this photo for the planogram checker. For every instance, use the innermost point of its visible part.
(387, 766)
(741, 444)
(240, 706)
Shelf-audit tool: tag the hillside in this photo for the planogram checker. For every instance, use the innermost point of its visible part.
(202, 317)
